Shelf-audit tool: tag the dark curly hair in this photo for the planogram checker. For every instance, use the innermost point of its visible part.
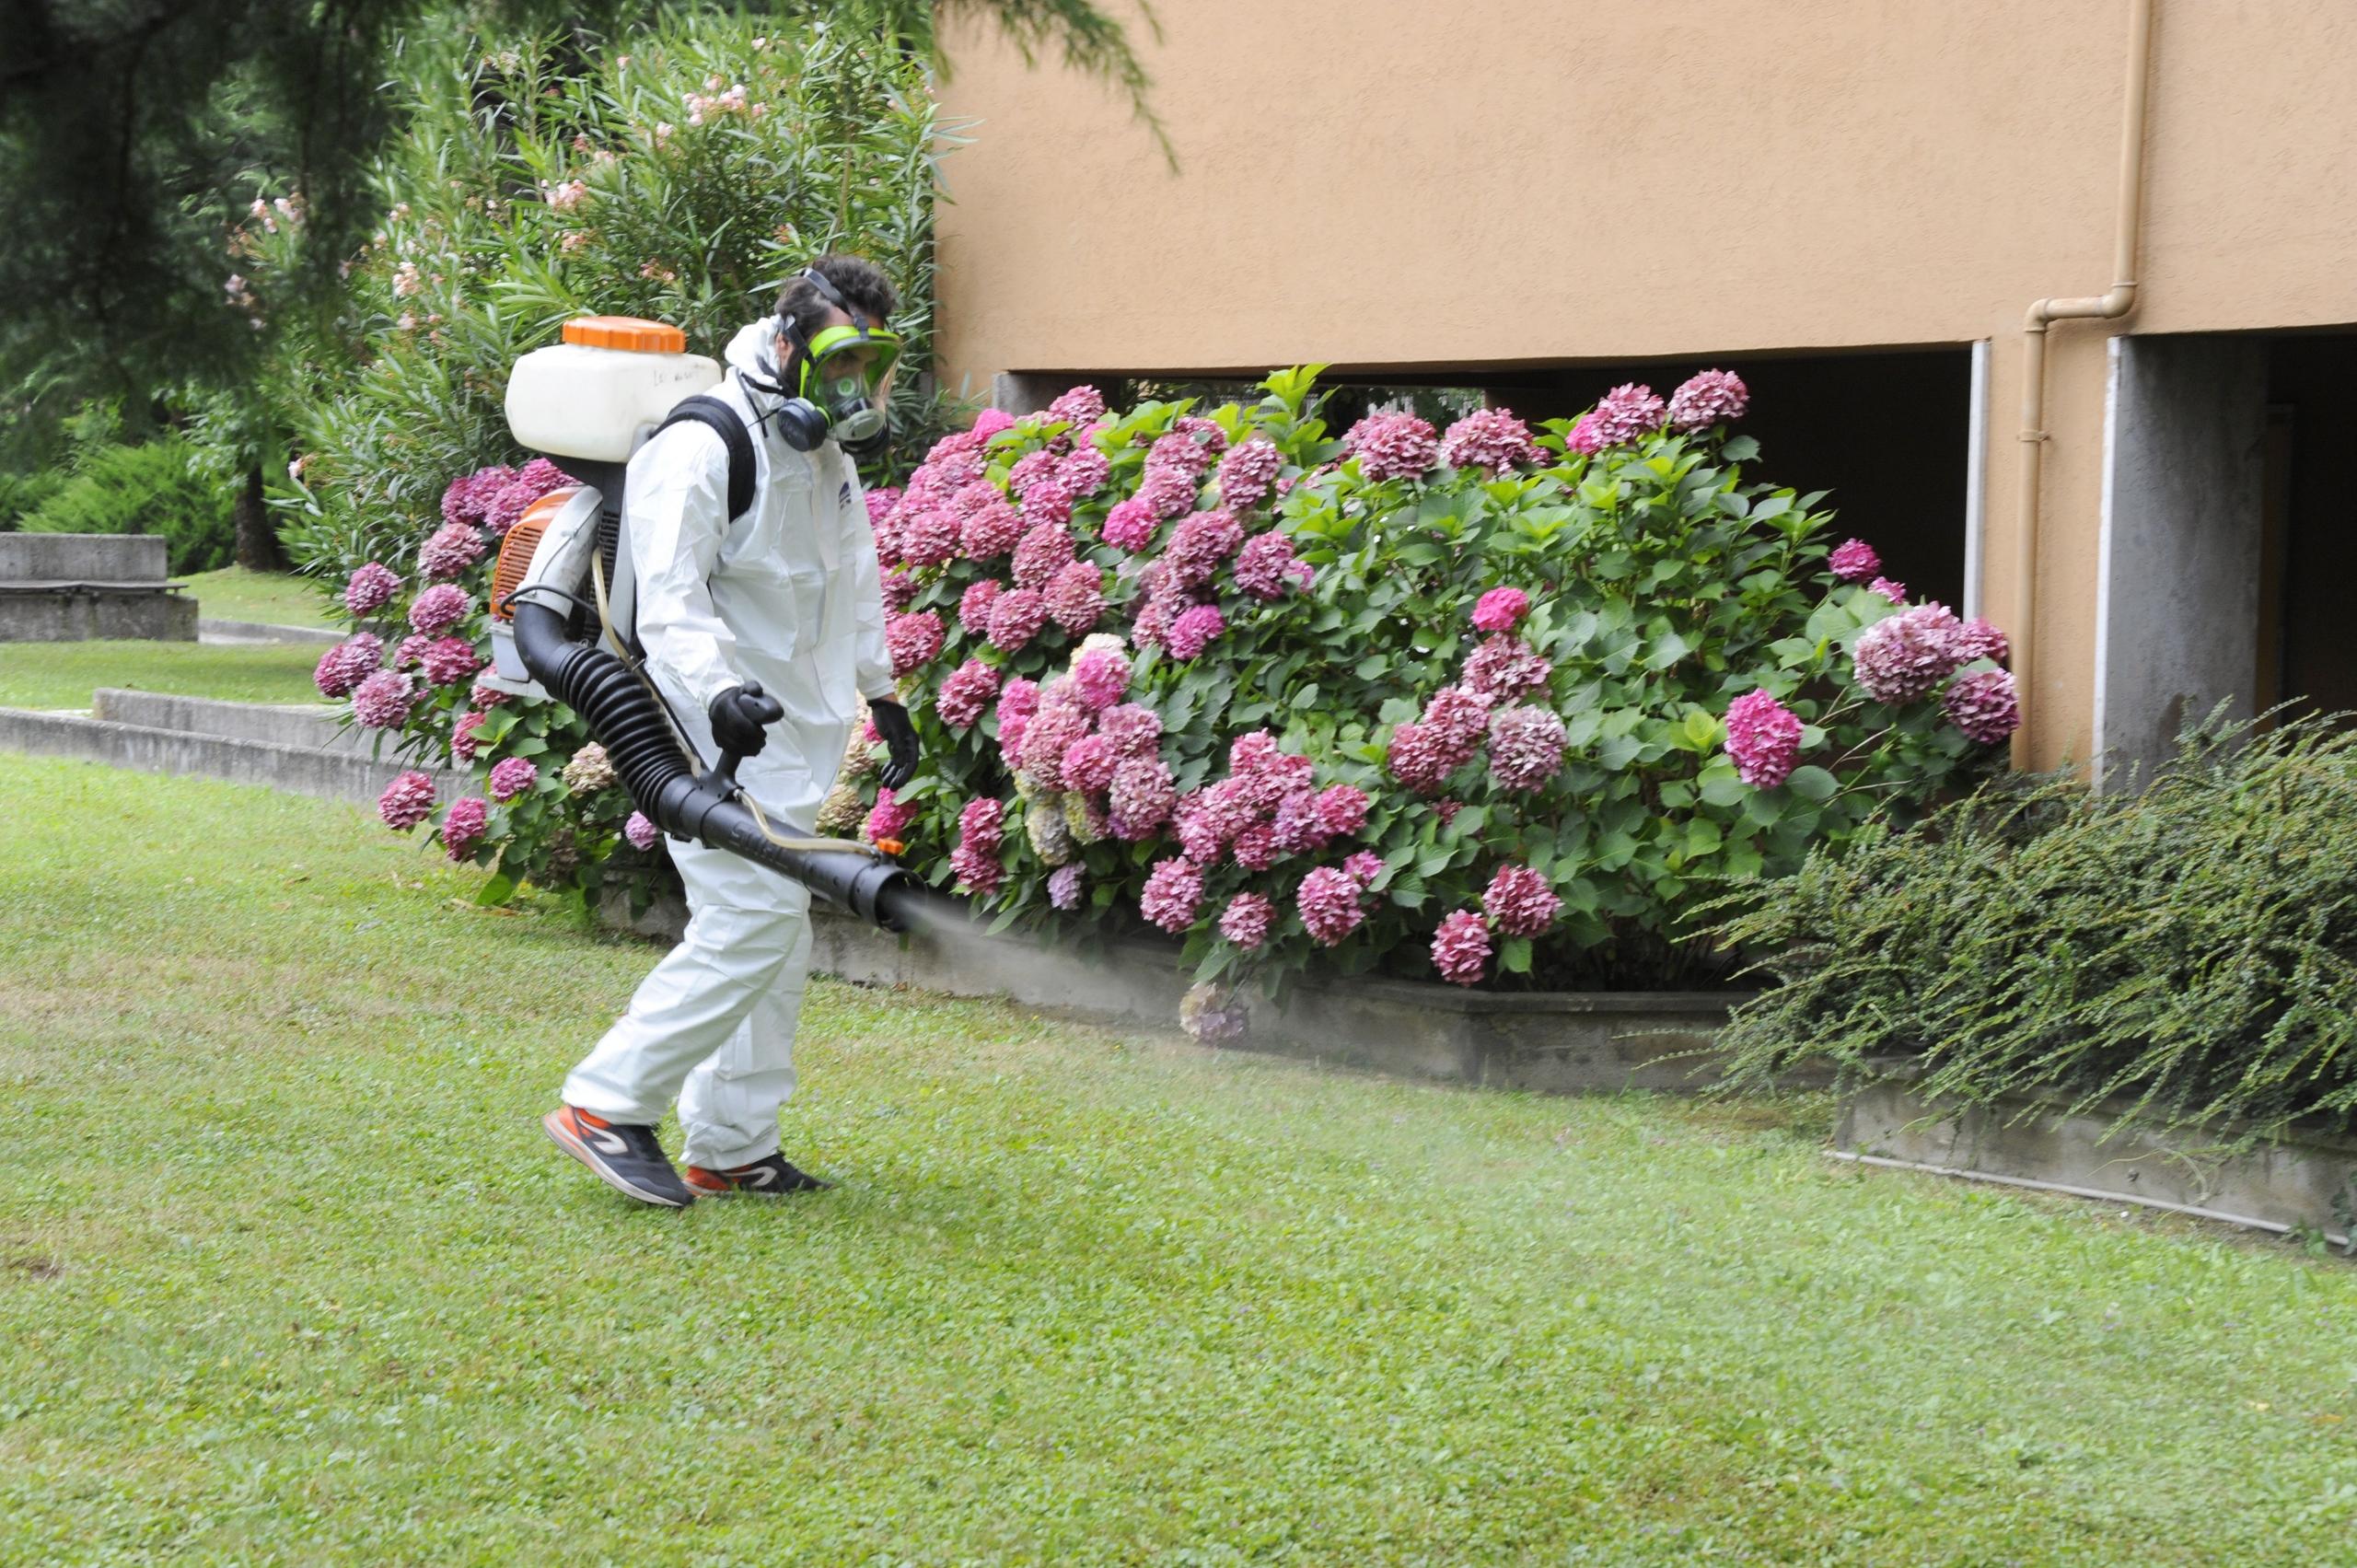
(857, 279)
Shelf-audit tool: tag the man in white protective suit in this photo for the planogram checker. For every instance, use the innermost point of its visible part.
(762, 630)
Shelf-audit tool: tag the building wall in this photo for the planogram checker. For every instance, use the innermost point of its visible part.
(1397, 184)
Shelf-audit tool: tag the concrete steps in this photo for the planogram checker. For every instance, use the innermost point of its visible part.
(295, 746)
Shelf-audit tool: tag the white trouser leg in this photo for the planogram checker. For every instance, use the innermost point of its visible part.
(728, 1109)
(730, 991)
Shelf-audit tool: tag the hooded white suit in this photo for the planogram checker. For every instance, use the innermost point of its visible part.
(786, 595)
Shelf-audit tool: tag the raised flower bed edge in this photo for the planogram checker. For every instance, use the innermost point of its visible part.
(1555, 1042)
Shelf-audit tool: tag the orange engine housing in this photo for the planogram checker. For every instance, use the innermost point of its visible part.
(516, 551)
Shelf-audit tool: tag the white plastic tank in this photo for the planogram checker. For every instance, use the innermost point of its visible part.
(600, 392)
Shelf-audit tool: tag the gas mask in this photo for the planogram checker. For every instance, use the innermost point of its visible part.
(840, 379)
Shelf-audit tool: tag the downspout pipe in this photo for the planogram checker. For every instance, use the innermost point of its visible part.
(2109, 305)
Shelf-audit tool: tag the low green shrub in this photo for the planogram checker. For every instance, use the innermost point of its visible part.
(2185, 955)
(156, 487)
(23, 492)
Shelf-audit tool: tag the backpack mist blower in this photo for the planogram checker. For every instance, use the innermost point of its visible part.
(561, 598)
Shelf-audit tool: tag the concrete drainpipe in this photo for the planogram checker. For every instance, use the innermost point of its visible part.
(2107, 306)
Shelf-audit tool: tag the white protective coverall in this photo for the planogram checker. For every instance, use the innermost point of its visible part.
(787, 596)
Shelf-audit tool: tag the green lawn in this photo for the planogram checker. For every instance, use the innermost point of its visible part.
(287, 1273)
(278, 598)
(62, 675)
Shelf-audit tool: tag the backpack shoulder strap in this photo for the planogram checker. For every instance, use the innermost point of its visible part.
(724, 422)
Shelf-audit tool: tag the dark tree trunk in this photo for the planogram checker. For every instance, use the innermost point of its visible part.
(257, 539)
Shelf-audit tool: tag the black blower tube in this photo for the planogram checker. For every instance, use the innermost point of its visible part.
(630, 725)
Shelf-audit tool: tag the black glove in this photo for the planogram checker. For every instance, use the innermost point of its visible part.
(739, 716)
(899, 737)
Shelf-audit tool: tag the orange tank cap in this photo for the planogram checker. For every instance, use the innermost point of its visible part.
(629, 334)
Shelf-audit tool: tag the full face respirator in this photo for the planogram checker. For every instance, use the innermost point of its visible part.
(561, 599)
(839, 382)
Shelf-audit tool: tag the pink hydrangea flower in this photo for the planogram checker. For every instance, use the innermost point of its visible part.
(1081, 405)
(1248, 473)
(1076, 597)
(880, 502)
(1128, 526)
(439, 608)
(1031, 469)
(1341, 809)
(1489, 439)
(348, 663)
(1904, 657)
(1256, 847)
(449, 660)
(1166, 491)
(1211, 1013)
(1100, 676)
(1048, 502)
(1500, 610)
(384, 700)
(1526, 748)
(1976, 639)
(1708, 397)
(1173, 890)
(1422, 757)
(370, 588)
(485, 695)
(929, 536)
(1520, 900)
(407, 801)
(914, 639)
(1264, 570)
(1143, 798)
(1363, 867)
(1180, 451)
(974, 605)
(956, 444)
(1083, 472)
(1764, 738)
(641, 832)
(449, 551)
(1461, 948)
(466, 737)
(1625, 413)
(1089, 764)
(463, 826)
(1052, 732)
(1247, 919)
(1135, 731)
(1392, 446)
(1505, 668)
(410, 652)
(1329, 899)
(1044, 552)
(980, 831)
(1583, 437)
(1854, 560)
(1894, 592)
(1065, 886)
(899, 589)
(1194, 630)
(1984, 706)
(468, 500)
(991, 530)
(1200, 544)
(888, 818)
(508, 503)
(1015, 618)
(1017, 701)
(962, 697)
(511, 777)
(1461, 715)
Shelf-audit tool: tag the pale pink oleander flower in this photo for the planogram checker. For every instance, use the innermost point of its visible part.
(1854, 560)
(1076, 597)
(1248, 473)
(1173, 890)
(1329, 902)
(1247, 919)
(1708, 397)
(1500, 610)
(641, 832)
(1392, 446)
(969, 689)
(1461, 948)
(1520, 900)
(511, 777)
(1984, 706)
(463, 826)
(407, 801)
(1491, 439)
(1903, 657)
(1894, 592)
(914, 639)
(1764, 738)
(1194, 630)
(1625, 413)
(439, 608)
(370, 588)
(974, 605)
(1015, 618)
(1526, 748)
(1976, 639)
(1141, 798)
(449, 551)
(384, 700)
(1128, 526)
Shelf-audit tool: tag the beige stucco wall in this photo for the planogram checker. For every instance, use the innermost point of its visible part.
(1399, 182)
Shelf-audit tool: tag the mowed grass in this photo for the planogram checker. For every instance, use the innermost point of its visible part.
(62, 675)
(275, 598)
(287, 1273)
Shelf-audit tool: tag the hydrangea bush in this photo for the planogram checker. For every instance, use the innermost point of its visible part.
(1489, 704)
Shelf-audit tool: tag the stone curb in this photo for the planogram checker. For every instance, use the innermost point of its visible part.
(210, 630)
(1556, 1043)
(313, 725)
(301, 770)
(2031, 1140)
